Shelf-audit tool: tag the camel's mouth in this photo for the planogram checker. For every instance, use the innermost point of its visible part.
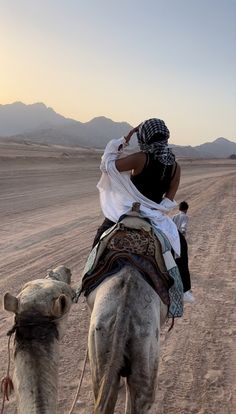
(30, 326)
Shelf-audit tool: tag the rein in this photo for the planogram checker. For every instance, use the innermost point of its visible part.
(6, 383)
(80, 382)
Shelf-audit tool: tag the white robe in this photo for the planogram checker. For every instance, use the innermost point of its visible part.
(118, 193)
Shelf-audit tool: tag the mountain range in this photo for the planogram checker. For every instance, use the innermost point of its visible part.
(40, 124)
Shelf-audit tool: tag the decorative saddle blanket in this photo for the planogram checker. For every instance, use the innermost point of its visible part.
(133, 241)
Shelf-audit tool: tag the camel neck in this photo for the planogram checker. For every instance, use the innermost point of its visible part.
(36, 376)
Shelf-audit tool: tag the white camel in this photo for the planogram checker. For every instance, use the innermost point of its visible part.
(41, 311)
(124, 340)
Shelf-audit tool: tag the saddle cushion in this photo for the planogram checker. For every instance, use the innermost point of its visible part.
(133, 241)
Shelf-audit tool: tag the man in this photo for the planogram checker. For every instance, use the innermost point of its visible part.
(181, 221)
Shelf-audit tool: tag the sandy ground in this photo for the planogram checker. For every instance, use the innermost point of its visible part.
(49, 211)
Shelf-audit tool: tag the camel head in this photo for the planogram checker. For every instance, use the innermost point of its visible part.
(43, 299)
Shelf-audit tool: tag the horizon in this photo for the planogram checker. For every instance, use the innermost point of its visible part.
(211, 140)
(172, 60)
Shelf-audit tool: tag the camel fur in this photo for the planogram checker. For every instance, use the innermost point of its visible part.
(124, 340)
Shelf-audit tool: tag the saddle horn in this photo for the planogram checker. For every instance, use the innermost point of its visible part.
(136, 207)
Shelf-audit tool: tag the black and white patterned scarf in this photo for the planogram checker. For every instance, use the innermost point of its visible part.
(158, 146)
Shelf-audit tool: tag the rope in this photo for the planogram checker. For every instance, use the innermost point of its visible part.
(6, 383)
(80, 383)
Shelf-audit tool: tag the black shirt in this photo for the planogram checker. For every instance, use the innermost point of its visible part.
(154, 180)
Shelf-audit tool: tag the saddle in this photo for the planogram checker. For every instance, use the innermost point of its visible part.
(132, 240)
(135, 235)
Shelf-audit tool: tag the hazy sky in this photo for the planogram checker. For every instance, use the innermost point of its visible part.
(127, 60)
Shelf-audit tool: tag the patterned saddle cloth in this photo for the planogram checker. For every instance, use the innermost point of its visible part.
(131, 240)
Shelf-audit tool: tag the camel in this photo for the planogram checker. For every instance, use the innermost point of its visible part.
(124, 340)
(41, 310)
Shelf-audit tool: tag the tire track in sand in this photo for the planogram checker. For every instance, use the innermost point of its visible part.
(197, 368)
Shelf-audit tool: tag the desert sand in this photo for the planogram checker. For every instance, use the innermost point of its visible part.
(49, 212)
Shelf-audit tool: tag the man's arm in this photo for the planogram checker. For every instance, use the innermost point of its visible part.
(184, 225)
(174, 185)
(134, 162)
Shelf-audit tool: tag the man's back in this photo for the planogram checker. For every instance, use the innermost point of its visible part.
(181, 221)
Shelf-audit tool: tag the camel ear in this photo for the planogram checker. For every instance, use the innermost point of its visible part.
(60, 306)
(49, 273)
(60, 273)
(10, 303)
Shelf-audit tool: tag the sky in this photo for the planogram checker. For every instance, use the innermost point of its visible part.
(128, 60)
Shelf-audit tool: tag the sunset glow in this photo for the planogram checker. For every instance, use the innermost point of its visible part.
(125, 60)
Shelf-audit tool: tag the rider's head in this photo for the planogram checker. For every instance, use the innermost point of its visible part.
(151, 132)
(153, 136)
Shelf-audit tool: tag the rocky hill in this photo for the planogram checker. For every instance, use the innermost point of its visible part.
(18, 118)
(39, 124)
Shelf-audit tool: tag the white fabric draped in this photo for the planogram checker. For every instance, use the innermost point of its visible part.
(118, 193)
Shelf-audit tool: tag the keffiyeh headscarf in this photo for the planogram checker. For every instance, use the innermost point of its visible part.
(158, 146)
